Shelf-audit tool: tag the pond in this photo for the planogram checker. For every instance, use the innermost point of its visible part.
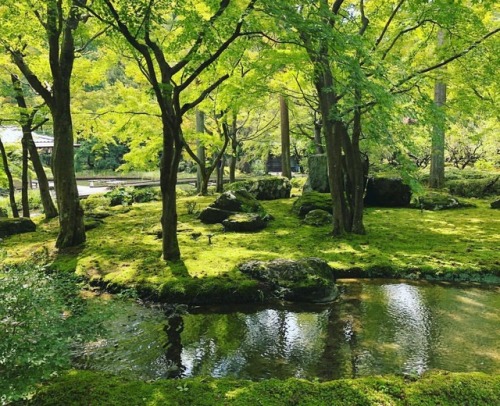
(375, 327)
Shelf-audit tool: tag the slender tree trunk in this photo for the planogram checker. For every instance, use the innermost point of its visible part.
(318, 143)
(12, 190)
(286, 169)
(202, 180)
(27, 121)
(24, 177)
(436, 179)
(43, 183)
(220, 175)
(232, 161)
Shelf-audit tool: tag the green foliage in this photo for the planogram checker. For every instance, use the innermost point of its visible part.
(41, 318)
(478, 188)
(82, 387)
(95, 202)
(128, 195)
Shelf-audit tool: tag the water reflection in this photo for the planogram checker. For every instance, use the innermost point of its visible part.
(375, 328)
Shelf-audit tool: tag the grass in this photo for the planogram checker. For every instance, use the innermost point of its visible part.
(124, 250)
(92, 388)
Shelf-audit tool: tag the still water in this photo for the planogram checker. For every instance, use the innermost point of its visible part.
(375, 327)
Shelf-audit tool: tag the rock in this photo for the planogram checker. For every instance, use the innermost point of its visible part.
(317, 180)
(387, 192)
(3, 212)
(230, 203)
(312, 201)
(244, 222)
(211, 215)
(91, 223)
(16, 226)
(318, 217)
(303, 280)
(264, 188)
(495, 204)
(438, 201)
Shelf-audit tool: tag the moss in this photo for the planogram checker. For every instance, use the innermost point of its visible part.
(84, 387)
(459, 244)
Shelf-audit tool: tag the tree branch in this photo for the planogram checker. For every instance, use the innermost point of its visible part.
(188, 106)
(388, 23)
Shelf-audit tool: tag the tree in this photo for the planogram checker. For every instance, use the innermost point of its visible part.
(195, 42)
(285, 138)
(12, 190)
(27, 125)
(59, 21)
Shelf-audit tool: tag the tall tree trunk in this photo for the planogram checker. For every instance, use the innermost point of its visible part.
(436, 179)
(24, 177)
(220, 175)
(27, 123)
(318, 142)
(202, 179)
(72, 228)
(168, 181)
(286, 168)
(333, 141)
(49, 208)
(12, 190)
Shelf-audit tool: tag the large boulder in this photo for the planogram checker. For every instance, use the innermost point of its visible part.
(495, 204)
(318, 217)
(312, 201)
(244, 222)
(303, 280)
(237, 211)
(317, 180)
(387, 192)
(264, 188)
(16, 226)
(438, 201)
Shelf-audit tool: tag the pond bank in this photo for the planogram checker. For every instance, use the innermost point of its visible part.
(83, 387)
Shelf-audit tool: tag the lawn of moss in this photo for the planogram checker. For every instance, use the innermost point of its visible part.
(438, 388)
(124, 251)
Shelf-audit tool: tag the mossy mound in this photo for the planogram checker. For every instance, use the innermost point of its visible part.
(445, 389)
(264, 188)
(303, 280)
(312, 201)
(318, 217)
(478, 188)
(14, 226)
(438, 201)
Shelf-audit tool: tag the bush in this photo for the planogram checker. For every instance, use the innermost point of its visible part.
(143, 195)
(41, 318)
(478, 188)
(120, 195)
(95, 202)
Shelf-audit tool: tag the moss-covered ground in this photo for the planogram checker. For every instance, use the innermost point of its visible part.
(90, 388)
(124, 250)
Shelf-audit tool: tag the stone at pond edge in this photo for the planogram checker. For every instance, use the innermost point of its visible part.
(264, 188)
(14, 226)
(244, 222)
(312, 201)
(318, 217)
(303, 280)
(495, 204)
(387, 192)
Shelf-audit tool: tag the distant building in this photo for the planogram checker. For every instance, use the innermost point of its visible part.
(14, 135)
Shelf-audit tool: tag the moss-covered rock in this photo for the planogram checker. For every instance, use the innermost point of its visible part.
(264, 188)
(438, 201)
(244, 222)
(318, 217)
(495, 204)
(302, 280)
(312, 201)
(16, 226)
(387, 192)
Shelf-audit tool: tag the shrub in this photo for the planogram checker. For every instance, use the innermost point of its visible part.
(143, 195)
(41, 318)
(478, 188)
(120, 195)
(95, 202)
